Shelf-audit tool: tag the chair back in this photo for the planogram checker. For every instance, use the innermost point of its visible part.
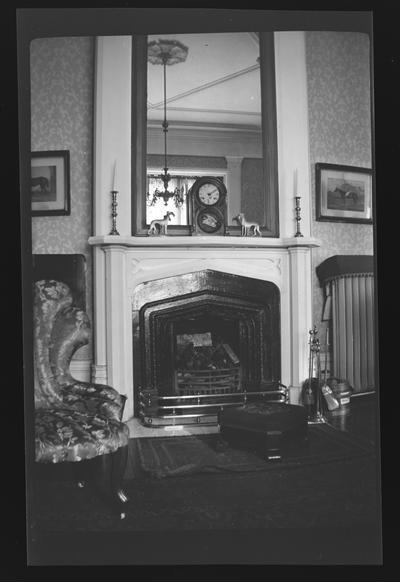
(59, 330)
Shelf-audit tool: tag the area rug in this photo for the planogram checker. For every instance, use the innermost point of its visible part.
(161, 457)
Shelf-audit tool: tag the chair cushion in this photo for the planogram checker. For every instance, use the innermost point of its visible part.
(264, 417)
(93, 399)
(68, 435)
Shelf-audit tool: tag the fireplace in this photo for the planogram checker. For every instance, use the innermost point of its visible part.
(203, 325)
(251, 293)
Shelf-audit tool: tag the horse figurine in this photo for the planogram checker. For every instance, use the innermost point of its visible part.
(247, 227)
(161, 223)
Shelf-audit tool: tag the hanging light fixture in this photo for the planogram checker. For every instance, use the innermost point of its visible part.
(166, 52)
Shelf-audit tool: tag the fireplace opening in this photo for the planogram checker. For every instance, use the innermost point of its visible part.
(206, 356)
(206, 333)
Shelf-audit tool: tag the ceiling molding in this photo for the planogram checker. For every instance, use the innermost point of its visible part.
(202, 126)
(217, 111)
(243, 143)
(199, 88)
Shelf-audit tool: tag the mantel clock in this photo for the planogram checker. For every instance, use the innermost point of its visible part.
(208, 206)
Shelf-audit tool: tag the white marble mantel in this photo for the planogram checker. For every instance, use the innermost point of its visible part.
(124, 262)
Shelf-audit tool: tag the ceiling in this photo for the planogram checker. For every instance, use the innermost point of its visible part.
(219, 83)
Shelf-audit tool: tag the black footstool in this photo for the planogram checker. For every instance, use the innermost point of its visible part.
(266, 428)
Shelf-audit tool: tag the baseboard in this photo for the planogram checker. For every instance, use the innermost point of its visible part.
(294, 394)
(99, 373)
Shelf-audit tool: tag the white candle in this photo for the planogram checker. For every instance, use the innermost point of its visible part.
(115, 177)
(295, 182)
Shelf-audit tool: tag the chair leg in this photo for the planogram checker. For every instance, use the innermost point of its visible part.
(80, 470)
(118, 467)
(112, 469)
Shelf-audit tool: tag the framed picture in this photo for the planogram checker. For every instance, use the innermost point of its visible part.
(344, 193)
(50, 189)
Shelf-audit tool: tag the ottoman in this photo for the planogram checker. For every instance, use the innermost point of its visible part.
(269, 428)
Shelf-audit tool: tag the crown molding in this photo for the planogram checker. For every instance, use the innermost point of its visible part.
(205, 86)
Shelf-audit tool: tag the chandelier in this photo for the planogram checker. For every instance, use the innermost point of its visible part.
(166, 52)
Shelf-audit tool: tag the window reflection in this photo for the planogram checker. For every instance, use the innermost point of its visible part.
(157, 208)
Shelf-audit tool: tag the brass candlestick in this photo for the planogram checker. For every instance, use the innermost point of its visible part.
(298, 217)
(114, 212)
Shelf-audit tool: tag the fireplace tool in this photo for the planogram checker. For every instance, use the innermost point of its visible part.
(330, 400)
(311, 396)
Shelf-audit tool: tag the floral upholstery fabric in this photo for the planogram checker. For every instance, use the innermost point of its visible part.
(73, 407)
(67, 435)
(50, 298)
(93, 399)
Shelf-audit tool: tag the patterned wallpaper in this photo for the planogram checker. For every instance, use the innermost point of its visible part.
(339, 108)
(62, 119)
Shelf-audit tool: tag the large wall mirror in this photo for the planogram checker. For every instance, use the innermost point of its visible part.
(210, 111)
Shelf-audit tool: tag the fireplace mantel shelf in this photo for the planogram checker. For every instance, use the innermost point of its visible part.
(206, 241)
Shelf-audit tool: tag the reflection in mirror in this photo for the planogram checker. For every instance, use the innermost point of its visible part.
(210, 97)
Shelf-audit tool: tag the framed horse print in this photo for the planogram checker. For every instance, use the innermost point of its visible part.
(343, 193)
(50, 183)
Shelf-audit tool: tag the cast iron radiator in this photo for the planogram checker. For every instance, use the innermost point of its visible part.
(349, 302)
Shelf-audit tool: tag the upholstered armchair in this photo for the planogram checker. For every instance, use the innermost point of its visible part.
(74, 421)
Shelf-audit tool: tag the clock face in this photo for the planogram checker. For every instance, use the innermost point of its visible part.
(209, 194)
(209, 221)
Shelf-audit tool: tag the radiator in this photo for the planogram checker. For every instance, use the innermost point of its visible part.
(353, 330)
(351, 295)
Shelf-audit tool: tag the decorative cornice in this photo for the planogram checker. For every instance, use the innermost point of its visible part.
(199, 88)
(210, 138)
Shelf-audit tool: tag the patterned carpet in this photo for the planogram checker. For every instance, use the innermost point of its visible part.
(169, 456)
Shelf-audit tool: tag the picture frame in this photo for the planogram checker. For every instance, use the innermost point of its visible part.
(343, 193)
(50, 183)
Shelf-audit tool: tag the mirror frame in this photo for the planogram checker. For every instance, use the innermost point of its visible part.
(269, 140)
